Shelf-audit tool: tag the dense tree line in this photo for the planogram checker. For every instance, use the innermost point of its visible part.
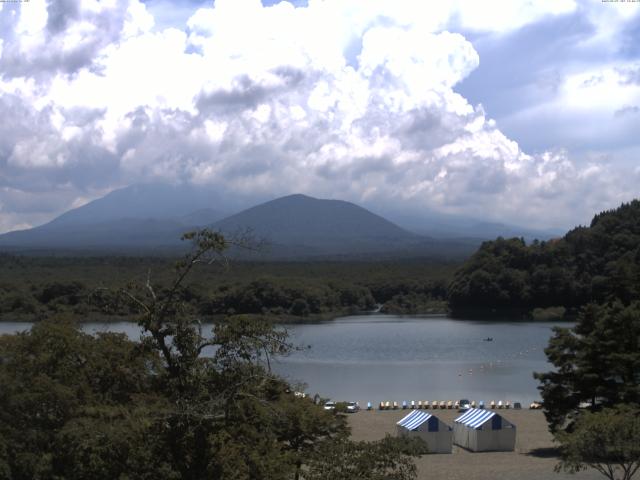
(589, 264)
(278, 297)
(33, 288)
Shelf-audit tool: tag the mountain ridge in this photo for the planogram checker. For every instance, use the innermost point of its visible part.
(152, 216)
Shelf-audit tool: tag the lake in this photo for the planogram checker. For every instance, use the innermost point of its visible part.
(387, 357)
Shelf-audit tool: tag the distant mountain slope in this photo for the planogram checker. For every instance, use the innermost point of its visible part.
(327, 224)
(201, 218)
(122, 233)
(151, 217)
(157, 201)
(438, 225)
(146, 215)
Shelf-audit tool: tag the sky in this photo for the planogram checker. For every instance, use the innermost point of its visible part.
(519, 111)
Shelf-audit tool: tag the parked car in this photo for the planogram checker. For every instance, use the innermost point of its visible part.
(352, 407)
(330, 405)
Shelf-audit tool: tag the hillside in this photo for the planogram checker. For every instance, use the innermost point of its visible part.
(136, 217)
(156, 201)
(595, 263)
(148, 219)
(325, 226)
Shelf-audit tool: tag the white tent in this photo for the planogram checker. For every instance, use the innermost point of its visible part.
(428, 427)
(484, 430)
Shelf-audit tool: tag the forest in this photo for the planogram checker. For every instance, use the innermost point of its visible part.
(598, 263)
(33, 288)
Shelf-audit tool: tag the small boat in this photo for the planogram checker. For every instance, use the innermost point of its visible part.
(488, 339)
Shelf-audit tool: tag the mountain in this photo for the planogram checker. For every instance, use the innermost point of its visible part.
(112, 234)
(146, 218)
(446, 226)
(299, 226)
(302, 220)
(140, 216)
(157, 201)
(201, 218)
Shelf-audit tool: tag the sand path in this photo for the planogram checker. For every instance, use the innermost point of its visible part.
(534, 457)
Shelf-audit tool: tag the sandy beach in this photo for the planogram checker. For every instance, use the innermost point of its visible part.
(533, 458)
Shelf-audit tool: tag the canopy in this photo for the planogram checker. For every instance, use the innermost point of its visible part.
(436, 434)
(414, 420)
(475, 417)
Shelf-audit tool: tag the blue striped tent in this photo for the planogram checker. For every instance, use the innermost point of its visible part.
(484, 430)
(437, 434)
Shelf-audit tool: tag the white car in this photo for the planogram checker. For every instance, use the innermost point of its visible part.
(330, 406)
(352, 407)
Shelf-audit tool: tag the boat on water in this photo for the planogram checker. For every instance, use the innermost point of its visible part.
(488, 339)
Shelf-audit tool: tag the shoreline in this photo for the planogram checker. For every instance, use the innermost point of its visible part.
(94, 317)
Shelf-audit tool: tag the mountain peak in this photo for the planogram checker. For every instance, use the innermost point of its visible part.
(325, 225)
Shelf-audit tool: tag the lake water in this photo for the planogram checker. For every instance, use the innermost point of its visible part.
(386, 357)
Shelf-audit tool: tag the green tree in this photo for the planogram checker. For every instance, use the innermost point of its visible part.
(55, 376)
(599, 263)
(597, 363)
(387, 459)
(607, 441)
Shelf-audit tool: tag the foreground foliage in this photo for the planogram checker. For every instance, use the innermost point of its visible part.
(78, 406)
(607, 441)
(597, 363)
(387, 459)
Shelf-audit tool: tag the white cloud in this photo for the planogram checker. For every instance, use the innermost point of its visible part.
(333, 99)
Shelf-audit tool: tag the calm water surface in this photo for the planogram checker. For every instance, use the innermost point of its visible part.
(387, 357)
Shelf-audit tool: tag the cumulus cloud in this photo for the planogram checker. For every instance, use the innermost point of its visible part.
(330, 99)
(558, 82)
